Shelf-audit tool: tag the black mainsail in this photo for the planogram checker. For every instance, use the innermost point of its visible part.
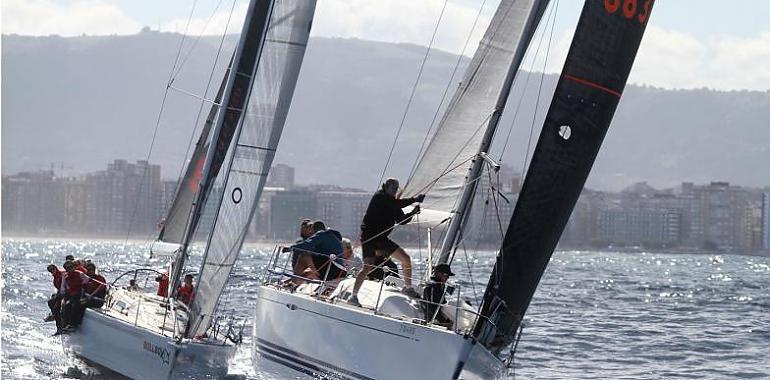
(593, 78)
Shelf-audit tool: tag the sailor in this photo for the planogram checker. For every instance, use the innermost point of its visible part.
(305, 231)
(434, 294)
(353, 263)
(95, 289)
(71, 291)
(54, 302)
(162, 280)
(184, 292)
(383, 213)
(319, 254)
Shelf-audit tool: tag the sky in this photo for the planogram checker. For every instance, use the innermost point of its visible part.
(689, 44)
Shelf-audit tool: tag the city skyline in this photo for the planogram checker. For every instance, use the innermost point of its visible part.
(130, 199)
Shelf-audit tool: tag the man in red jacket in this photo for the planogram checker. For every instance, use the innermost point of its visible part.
(184, 292)
(71, 290)
(54, 303)
(95, 288)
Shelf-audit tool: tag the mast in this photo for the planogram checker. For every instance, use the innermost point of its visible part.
(535, 10)
(234, 100)
(593, 78)
(267, 99)
(176, 222)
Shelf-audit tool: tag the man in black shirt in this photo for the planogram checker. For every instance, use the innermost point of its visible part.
(383, 213)
(434, 295)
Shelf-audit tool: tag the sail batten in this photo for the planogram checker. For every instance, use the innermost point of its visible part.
(587, 94)
(251, 155)
(448, 168)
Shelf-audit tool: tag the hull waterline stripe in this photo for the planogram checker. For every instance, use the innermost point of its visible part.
(284, 363)
(345, 321)
(592, 84)
(282, 351)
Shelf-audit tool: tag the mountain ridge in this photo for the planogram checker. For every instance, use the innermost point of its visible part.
(84, 101)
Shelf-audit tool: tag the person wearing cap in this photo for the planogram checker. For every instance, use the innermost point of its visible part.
(434, 294)
(383, 213)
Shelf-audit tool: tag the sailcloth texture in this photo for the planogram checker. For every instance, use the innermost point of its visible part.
(252, 154)
(595, 72)
(443, 166)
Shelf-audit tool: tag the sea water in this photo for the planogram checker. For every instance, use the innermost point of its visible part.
(604, 315)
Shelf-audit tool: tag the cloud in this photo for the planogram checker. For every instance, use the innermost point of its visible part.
(215, 22)
(667, 58)
(402, 21)
(42, 17)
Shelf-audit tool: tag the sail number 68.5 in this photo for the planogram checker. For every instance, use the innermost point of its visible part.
(630, 8)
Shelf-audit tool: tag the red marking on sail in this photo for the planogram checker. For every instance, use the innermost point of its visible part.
(197, 174)
(592, 84)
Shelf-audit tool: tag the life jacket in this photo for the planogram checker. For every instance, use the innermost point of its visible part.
(97, 287)
(163, 285)
(73, 282)
(185, 293)
(58, 275)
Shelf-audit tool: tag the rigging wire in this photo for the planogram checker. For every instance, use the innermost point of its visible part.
(157, 125)
(446, 91)
(414, 90)
(539, 90)
(552, 22)
(208, 86)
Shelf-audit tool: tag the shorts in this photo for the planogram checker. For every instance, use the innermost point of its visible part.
(380, 243)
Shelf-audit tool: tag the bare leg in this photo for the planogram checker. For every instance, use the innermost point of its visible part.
(305, 268)
(406, 263)
(368, 267)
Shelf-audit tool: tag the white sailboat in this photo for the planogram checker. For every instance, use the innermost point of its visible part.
(314, 331)
(343, 341)
(147, 336)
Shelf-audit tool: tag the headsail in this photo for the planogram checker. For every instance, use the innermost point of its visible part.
(178, 216)
(472, 115)
(594, 76)
(287, 31)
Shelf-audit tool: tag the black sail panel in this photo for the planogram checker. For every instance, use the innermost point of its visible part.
(236, 93)
(595, 72)
(175, 223)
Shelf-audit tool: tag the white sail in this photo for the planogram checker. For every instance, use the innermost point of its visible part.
(252, 154)
(443, 167)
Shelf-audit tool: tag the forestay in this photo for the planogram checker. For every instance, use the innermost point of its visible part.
(176, 223)
(252, 154)
(442, 169)
(599, 61)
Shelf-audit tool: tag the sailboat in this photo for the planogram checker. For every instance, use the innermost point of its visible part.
(313, 331)
(151, 336)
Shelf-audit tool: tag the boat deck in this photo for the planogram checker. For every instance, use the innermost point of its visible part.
(145, 310)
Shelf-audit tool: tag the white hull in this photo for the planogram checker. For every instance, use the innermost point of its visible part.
(319, 338)
(114, 341)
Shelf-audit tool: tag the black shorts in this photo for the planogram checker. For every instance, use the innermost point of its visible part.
(381, 243)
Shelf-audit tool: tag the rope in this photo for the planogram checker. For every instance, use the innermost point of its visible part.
(414, 89)
(443, 96)
(540, 89)
(157, 127)
(529, 73)
(208, 86)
